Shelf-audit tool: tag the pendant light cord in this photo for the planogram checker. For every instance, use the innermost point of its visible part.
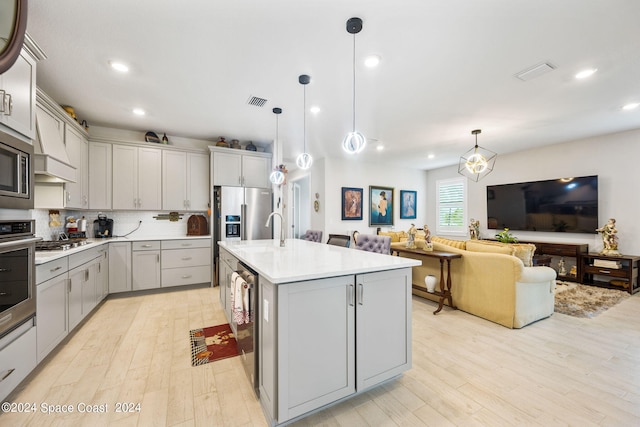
(354, 82)
(304, 117)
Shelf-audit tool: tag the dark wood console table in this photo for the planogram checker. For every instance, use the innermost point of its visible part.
(572, 250)
(445, 288)
(622, 274)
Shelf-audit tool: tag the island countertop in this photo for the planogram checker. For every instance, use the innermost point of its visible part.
(302, 260)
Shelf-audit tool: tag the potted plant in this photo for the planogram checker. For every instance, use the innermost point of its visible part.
(505, 237)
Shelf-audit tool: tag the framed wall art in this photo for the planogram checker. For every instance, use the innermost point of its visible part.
(408, 204)
(352, 203)
(381, 205)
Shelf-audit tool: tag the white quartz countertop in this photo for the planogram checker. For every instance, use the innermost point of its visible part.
(47, 256)
(302, 260)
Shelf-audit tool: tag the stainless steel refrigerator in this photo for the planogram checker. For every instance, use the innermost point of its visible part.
(240, 214)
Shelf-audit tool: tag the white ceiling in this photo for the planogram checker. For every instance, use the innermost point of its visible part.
(447, 68)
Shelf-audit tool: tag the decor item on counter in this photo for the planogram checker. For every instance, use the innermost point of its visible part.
(474, 229)
(70, 111)
(211, 344)
(381, 205)
(171, 216)
(477, 162)
(82, 224)
(278, 176)
(235, 144)
(197, 225)
(354, 142)
(428, 245)
(609, 238)
(304, 159)
(430, 282)
(222, 143)
(151, 137)
(54, 218)
(351, 203)
(71, 225)
(505, 237)
(408, 204)
(165, 140)
(579, 300)
(251, 147)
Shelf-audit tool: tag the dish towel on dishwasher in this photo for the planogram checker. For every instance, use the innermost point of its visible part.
(239, 299)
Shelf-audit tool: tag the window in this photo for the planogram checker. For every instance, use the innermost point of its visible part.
(451, 206)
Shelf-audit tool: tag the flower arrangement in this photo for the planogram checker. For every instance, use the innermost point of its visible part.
(505, 237)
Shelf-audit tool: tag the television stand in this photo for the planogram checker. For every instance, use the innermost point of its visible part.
(570, 250)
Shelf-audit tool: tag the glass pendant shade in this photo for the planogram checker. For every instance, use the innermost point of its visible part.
(354, 142)
(478, 162)
(276, 177)
(304, 161)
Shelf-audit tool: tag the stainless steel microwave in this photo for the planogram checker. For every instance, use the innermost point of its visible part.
(16, 173)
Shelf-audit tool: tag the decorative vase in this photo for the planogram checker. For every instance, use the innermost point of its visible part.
(222, 143)
(251, 147)
(430, 281)
(236, 144)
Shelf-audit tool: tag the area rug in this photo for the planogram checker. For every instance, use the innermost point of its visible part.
(585, 301)
(211, 344)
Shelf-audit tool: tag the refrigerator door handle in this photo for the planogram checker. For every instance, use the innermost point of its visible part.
(243, 222)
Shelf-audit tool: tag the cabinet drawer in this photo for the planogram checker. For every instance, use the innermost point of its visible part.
(186, 243)
(174, 258)
(85, 256)
(51, 269)
(18, 358)
(613, 272)
(186, 276)
(229, 259)
(146, 245)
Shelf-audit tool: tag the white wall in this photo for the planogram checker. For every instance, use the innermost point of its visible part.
(612, 157)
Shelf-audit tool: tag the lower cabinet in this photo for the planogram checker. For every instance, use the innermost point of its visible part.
(102, 274)
(119, 267)
(185, 262)
(17, 357)
(320, 340)
(51, 311)
(145, 265)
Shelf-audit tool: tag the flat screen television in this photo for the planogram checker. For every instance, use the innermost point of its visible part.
(568, 205)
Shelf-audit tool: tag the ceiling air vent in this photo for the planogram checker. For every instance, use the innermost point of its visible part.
(258, 102)
(535, 71)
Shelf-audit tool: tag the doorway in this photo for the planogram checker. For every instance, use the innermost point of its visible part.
(300, 206)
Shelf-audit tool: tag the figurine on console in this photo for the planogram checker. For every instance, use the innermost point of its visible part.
(411, 241)
(474, 229)
(609, 238)
(428, 246)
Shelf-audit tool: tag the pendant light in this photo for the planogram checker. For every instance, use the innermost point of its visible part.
(354, 142)
(304, 160)
(277, 176)
(477, 162)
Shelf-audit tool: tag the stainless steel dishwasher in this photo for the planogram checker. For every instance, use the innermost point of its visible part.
(247, 333)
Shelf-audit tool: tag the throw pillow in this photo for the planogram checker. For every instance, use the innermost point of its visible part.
(525, 252)
(458, 244)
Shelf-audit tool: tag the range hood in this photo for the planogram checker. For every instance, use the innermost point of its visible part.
(50, 160)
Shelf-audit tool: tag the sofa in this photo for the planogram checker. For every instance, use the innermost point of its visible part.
(494, 281)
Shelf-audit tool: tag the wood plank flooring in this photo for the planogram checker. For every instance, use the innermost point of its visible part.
(562, 371)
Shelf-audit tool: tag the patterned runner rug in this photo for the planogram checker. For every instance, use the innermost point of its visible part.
(211, 344)
(585, 301)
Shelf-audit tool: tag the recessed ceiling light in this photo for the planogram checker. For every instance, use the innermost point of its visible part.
(379, 147)
(139, 112)
(586, 73)
(631, 106)
(314, 109)
(372, 61)
(431, 156)
(119, 66)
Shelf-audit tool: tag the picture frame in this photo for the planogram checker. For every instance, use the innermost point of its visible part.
(380, 205)
(352, 203)
(408, 205)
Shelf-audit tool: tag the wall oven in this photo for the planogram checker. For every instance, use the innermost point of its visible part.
(16, 173)
(17, 273)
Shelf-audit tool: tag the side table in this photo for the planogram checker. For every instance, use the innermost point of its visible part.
(616, 272)
(445, 287)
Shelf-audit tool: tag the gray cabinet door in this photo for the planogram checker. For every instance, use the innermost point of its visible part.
(316, 362)
(383, 329)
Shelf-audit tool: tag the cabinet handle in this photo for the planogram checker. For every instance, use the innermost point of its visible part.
(55, 269)
(2, 94)
(361, 294)
(10, 103)
(86, 275)
(6, 318)
(350, 292)
(604, 271)
(146, 246)
(186, 276)
(6, 373)
(99, 267)
(69, 285)
(187, 258)
(68, 196)
(158, 258)
(186, 244)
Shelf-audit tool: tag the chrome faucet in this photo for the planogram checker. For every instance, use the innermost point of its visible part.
(281, 226)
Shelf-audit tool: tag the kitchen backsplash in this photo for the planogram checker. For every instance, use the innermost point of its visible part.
(123, 222)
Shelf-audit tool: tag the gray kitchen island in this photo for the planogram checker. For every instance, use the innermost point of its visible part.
(331, 322)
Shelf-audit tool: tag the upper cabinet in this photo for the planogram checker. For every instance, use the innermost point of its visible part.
(137, 178)
(237, 168)
(185, 181)
(77, 193)
(100, 164)
(18, 91)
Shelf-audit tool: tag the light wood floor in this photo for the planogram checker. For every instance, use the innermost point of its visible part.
(561, 371)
